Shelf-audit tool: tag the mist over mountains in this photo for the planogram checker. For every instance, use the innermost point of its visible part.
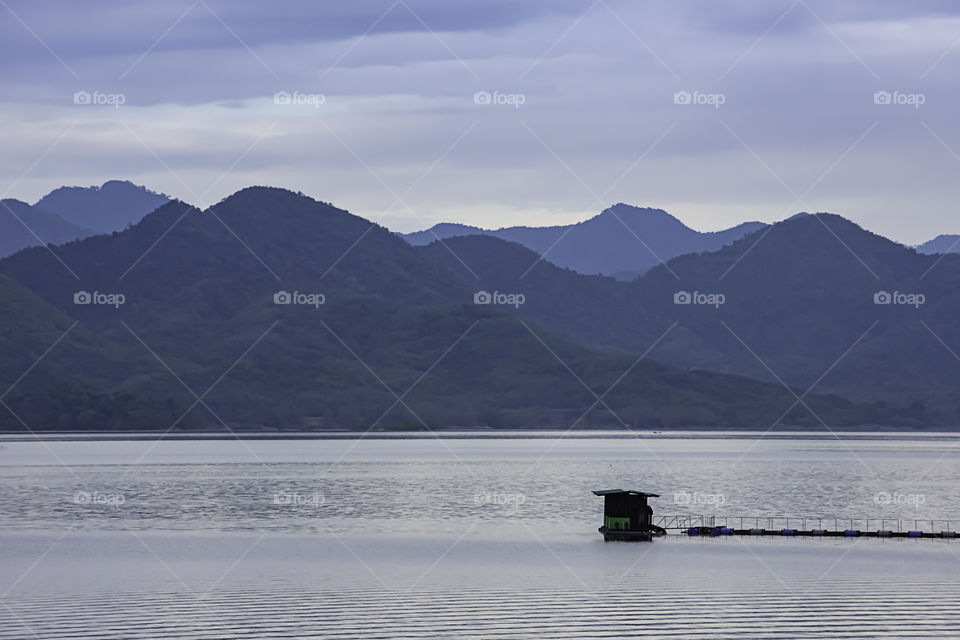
(273, 310)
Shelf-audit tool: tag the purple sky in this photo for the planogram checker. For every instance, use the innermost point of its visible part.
(388, 125)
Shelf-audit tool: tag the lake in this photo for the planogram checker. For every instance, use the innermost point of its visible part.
(472, 535)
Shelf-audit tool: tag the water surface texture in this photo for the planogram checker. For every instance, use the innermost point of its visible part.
(468, 537)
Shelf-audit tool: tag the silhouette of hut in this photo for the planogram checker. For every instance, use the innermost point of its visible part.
(627, 516)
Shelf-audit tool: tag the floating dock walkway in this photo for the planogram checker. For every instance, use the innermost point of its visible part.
(703, 525)
(627, 516)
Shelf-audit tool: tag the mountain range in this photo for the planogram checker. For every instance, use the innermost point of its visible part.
(70, 213)
(386, 336)
(814, 302)
(622, 241)
(273, 310)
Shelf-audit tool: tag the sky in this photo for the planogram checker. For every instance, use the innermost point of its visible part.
(540, 112)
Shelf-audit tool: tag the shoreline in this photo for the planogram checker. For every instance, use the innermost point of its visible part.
(492, 434)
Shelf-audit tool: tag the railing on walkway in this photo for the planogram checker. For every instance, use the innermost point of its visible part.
(804, 523)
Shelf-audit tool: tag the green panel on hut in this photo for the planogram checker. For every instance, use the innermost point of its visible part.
(626, 510)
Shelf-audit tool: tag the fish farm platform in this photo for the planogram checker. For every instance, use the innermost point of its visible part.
(701, 525)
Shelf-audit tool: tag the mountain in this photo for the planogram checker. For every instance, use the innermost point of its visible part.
(369, 332)
(941, 244)
(110, 207)
(798, 306)
(802, 302)
(445, 230)
(24, 226)
(64, 392)
(623, 241)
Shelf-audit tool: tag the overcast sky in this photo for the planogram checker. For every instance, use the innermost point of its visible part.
(587, 106)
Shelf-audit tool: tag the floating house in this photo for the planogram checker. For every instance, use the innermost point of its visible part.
(627, 516)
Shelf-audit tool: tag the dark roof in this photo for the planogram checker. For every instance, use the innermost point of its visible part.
(607, 492)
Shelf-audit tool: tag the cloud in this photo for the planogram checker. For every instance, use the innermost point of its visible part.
(598, 122)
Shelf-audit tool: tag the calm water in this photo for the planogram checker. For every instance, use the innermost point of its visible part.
(467, 537)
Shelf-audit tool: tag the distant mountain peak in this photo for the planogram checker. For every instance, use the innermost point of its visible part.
(280, 205)
(112, 206)
(622, 240)
(110, 186)
(630, 208)
(255, 191)
(638, 218)
(821, 217)
(822, 237)
(944, 243)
